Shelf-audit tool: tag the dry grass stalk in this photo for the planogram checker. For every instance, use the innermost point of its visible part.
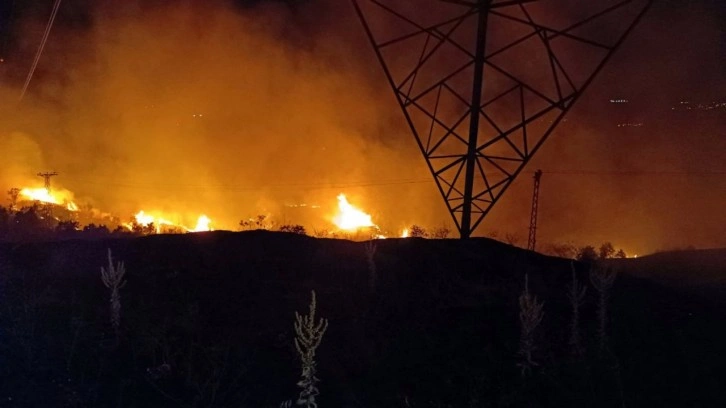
(308, 337)
(113, 278)
(576, 295)
(530, 316)
(602, 279)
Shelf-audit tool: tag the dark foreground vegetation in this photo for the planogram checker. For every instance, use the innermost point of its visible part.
(206, 320)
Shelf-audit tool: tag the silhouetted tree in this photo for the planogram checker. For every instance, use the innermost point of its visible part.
(96, 231)
(259, 222)
(568, 251)
(417, 232)
(606, 250)
(621, 254)
(171, 229)
(440, 233)
(67, 227)
(121, 231)
(587, 254)
(13, 194)
(27, 223)
(140, 229)
(512, 239)
(295, 229)
(4, 221)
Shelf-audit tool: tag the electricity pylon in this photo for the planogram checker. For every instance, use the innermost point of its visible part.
(532, 241)
(46, 178)
(483, 83)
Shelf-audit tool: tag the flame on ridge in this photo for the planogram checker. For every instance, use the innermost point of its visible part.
(44, 196)
(350, 218)
(65, 198)
(144, 219)
(202, 224)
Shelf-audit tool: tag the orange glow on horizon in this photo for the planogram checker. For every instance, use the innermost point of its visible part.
(145, 219)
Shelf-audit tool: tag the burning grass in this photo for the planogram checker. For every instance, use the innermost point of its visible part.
(347, 220)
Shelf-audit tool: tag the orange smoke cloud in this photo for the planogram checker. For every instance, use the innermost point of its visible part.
(202, 108)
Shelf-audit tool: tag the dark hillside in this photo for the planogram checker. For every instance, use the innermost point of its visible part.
(207, 321)
(700, 272)
(703, 267)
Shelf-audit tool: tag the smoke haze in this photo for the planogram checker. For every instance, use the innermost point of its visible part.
(207, 107)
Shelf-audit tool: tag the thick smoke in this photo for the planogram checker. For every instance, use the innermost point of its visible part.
(203, 107)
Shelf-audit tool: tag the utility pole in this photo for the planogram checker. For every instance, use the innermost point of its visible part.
(46, 177)
(533, 218)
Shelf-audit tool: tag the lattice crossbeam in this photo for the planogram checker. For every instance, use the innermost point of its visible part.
(484, 85)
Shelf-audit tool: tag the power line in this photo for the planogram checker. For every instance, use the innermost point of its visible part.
(334, 185)
(369, 184)
(635, 173)
(56, 6)
(237, 188)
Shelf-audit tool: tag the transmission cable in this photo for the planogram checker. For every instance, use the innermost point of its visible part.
(56, 6)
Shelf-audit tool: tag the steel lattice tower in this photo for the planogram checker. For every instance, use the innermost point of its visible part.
(532, 241)
(46, 178)
(483, 83)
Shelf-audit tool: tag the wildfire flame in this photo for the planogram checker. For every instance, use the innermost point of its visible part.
(44, 196)
(350, 218)
(405, 233)
(160, 221)
(144, 219)
(202, 224)
(38, 194)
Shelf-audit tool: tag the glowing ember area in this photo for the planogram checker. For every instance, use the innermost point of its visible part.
(405, 233)
(202, 224)
(42, 195)
(350, 218)
(38, 194)
(145, 220)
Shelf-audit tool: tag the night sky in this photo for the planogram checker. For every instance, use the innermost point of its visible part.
(251, 107)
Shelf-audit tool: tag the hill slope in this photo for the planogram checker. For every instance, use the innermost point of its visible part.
(207, 320)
